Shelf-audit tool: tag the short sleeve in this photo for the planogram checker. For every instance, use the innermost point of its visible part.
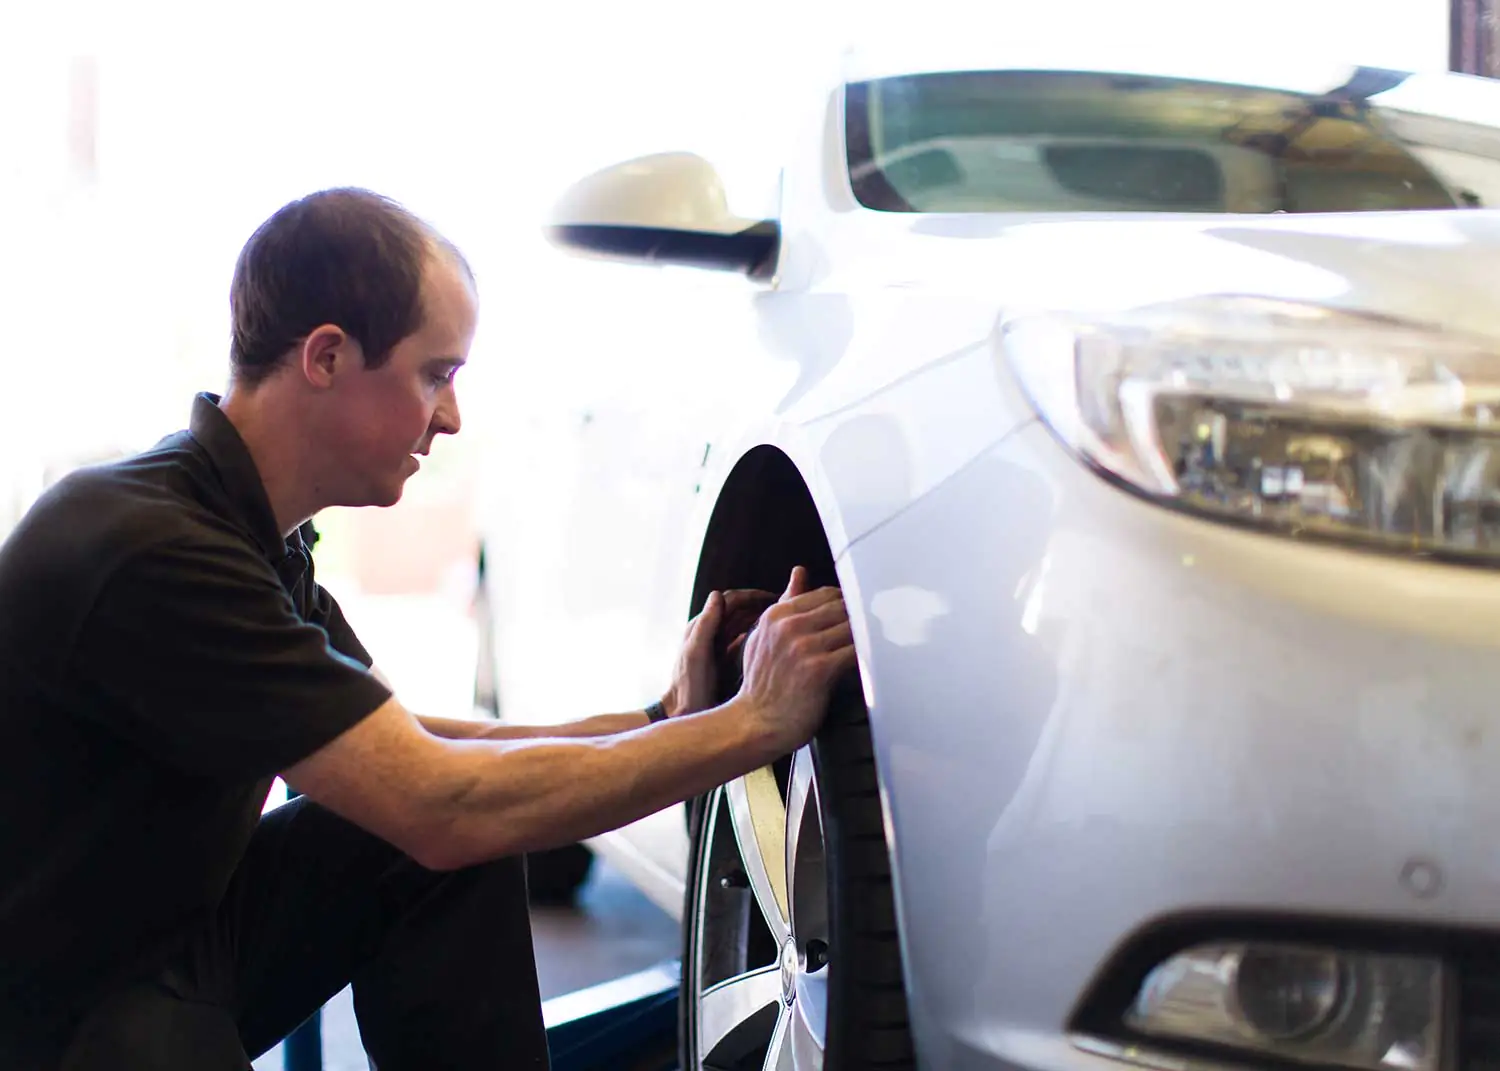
(194, 652)
(327, 614)
(323, 609)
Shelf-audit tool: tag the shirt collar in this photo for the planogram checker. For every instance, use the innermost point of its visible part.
(237, 472)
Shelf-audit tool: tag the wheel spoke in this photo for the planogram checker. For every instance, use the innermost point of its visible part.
(758, 815)
(779, 1055)
(810, 1019)
(733, 1012)
(807, 874)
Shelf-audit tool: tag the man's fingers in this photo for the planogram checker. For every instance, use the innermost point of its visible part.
(796, 585)
(801, 604)
(811, 612)
(843, 660)
(825, 615)
(835, 638)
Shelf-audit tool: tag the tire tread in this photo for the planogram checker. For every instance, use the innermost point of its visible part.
(877, 1034)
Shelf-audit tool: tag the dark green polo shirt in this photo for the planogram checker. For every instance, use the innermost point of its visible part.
(164, 653)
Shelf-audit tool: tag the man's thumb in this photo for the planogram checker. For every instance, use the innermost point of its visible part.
(797, 585)
(703, 628)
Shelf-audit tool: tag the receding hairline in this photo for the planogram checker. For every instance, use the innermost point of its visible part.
(440, 247)
(441, 252)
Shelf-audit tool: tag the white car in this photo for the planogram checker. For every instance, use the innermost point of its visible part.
(1147, 419)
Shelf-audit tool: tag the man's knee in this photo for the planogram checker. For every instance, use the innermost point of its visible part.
(149, 1028)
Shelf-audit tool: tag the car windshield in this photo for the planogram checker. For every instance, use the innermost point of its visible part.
(1004, 141)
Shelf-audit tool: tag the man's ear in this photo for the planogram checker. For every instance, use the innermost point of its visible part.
(327, 351)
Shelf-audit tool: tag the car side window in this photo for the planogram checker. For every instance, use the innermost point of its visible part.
(1012, 141)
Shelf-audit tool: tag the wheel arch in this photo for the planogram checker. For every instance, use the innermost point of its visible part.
(764, 523)
(766, 520)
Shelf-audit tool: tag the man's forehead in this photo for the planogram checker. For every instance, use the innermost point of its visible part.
(445, 279)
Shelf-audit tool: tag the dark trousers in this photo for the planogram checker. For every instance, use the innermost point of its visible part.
(442, 965)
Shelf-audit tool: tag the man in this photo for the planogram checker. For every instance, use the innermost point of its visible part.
(165, 652)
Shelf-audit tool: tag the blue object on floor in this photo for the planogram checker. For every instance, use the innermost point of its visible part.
(629, 1023)
(302, 1049)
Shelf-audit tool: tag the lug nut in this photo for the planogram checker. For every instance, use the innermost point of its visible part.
(735, 879)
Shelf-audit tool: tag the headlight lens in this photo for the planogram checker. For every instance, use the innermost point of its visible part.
(1294, 416)
(1312, 1005)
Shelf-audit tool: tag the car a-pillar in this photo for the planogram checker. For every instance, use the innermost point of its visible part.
(789, 927)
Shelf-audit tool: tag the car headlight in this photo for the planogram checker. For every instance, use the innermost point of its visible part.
(1288, 415)
(1310, 1005)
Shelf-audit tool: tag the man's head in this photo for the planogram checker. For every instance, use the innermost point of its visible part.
(353, 315)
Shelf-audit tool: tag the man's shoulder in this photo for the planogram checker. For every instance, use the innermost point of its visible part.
(106, 511)
(83, 529)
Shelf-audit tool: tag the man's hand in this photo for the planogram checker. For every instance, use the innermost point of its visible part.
(800, 649)
(451, 803)
(725, 620)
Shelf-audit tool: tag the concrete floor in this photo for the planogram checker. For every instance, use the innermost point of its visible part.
(613, 931)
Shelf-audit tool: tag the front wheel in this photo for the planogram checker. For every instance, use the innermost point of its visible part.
(791, 951)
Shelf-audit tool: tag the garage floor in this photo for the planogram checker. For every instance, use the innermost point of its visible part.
(613, 931)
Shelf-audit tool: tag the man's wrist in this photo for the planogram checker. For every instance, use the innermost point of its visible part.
(761, 731)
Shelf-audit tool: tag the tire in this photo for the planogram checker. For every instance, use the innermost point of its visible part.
(832, 996)
(554, 877)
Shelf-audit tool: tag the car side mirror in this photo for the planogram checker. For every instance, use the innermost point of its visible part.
(669, 208)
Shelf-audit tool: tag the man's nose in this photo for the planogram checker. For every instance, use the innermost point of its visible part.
(446, 421)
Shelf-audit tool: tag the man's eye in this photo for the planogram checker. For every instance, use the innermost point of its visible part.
(442, 379)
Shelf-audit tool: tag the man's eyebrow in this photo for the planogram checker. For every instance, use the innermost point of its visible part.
(456, 362)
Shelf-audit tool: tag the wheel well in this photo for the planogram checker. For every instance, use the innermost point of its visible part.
(764, 524)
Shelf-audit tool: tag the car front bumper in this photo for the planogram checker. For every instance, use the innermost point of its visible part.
(1093, 715)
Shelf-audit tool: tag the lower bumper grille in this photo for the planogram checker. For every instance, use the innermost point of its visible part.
(1479, 1012)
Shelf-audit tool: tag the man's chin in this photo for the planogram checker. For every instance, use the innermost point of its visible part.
(381, 495)
(375, 492)
(389, 496)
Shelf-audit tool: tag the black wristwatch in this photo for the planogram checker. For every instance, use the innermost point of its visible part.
(656, 712)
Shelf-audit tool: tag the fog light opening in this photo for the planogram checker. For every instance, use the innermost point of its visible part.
(1290, 994)
(1356, 1010)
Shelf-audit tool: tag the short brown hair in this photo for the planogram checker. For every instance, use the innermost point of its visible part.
(344, 256)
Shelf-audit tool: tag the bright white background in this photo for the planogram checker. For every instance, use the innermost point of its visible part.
(210, 115)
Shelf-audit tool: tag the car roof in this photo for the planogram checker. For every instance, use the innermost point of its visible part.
(1299, 46)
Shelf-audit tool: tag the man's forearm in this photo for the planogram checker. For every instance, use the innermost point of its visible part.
(599, 725)
(528, 795)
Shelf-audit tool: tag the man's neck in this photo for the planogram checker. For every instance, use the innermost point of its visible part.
(278, 450)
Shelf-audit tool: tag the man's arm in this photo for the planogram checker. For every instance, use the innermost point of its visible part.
(599, 725)
(453, 803)
(693, 687)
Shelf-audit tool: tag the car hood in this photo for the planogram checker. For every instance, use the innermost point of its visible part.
(1437, 267)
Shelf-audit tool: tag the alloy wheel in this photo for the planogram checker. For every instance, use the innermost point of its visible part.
(761, 957)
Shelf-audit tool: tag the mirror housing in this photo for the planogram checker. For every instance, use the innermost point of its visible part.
(668, 208)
